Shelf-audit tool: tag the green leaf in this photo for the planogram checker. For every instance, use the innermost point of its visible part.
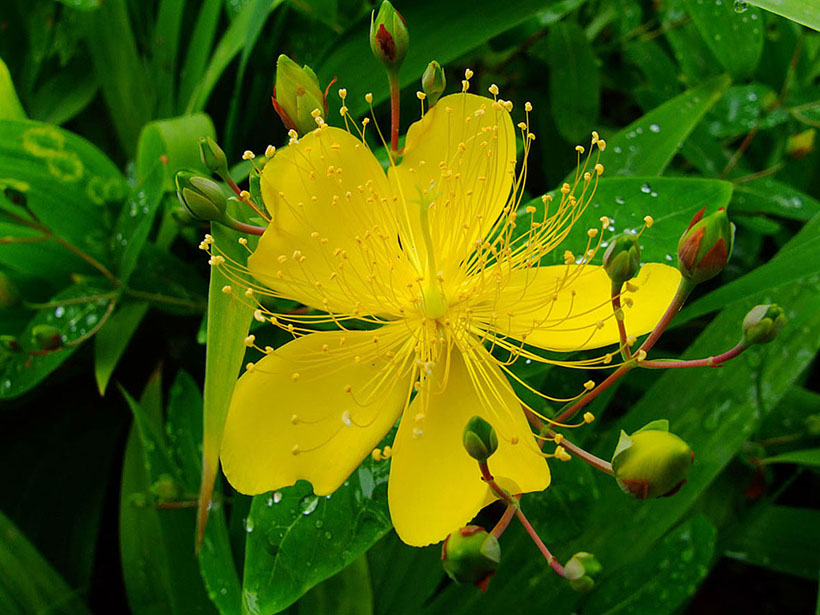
(345, 593)
(74, 86)
(575, 87)
(806, 457)
(647, 145)
(82, 5)
(742, 108)
(75, 312)
(770, 196)
(167, 282)
(736, 39)
(135, 220)
(10, 107)
(671, 201)
(28, 583)
(112, 340)
(805, 13)
(54, 170)
(780, 538)
(199, 50)
(159, 568)
(663, 580)
(175, 143)
(232, 42)
(165, 48)
(120, 72)
(228, 324)
(297, 539)
(450, 34)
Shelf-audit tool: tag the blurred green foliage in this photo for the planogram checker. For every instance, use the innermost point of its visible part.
(703, 103)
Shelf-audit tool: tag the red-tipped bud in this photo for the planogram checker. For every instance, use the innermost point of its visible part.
(389, 38)
(471, 555)
(706, 246)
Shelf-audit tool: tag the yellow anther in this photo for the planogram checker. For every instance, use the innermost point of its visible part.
(566, 188)
(250, 367)
(607, 359)
(388, 450)
(421, 95)
(270, 150)
(593, 232)
(508, 105)
(294, 419)
(295, 450)
(342, 93)
(559, 437)
(599, 168)
(249, 292)
(649, 221)
(595, 137)
(605, 222)
(630, 340)
(530, 209)
(640, 355)
(248, 155)
(468, 74)
(242, 241)
(562, 454)
(368, 97)
(295, 376)
(632, 288)
(580, 149)
(227, 289)
(348, 389)
(514, 440)
(376, 455)
(257, 315)
(315, 113)
(588, 417)
(250, 340)
(589, 385)
(527, 107)
(522, 125)
(628, 302)
(244, 195)
(493, 89)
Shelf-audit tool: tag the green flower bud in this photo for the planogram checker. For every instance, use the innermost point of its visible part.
(433, 82)
(389, 38)
(479, 439)
(652, 462)
(201, 196)
(297, 95)
(212, 156)
(763, 323)
(706, 246)
(581, 571)
(46, 337)
(9, 343)
(471, 555)
(622, 259)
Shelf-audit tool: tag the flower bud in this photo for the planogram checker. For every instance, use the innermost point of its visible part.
(581, 570)
(479, 439)
(46, 337)
(471, 555)
(652, 462)
(801, 144)
(763, 323)
(433, 82)
(389, 38)
(212, 156)
(201, 196)
(705, 247)
(622, 259)
(297, 94)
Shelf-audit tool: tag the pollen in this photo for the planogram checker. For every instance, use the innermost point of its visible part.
(270, 150)
(248, 155)
(249, 341)
(227, 290)
(649, 221)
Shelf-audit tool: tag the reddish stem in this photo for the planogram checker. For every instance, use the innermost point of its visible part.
(713, 361)
(616, 308)
(393, 79)
(502, 524)
(248, 228)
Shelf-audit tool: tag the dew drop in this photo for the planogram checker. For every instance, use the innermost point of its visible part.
(318, 523)
(654, 128)
(328, 535)
(741, 6)
(59, 312)
(308, 504)
(249, 525)
(277, 497)
(619, 200)
(646, 189)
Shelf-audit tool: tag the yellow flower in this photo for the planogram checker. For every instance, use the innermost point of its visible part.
(427, 255)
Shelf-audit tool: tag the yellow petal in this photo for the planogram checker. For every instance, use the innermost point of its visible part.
(298, 397)
(333, 239)
(579, 315)
(461, 155)
(435, 487)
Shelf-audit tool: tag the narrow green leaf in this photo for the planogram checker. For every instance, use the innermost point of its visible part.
(82, 5)
(112, 340)
(780, 538)
(770, 196)
(647, 145)
(346, 593)
(735, 38)
(743, 108)
(74, 87)
(199, 50)
(119, 69)
(806, 457)
(28, 583)
(801, 11)
(10, 107)
(663, 580)
(232, 42)
(450, 34)
(165, 49)
(575, 87)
